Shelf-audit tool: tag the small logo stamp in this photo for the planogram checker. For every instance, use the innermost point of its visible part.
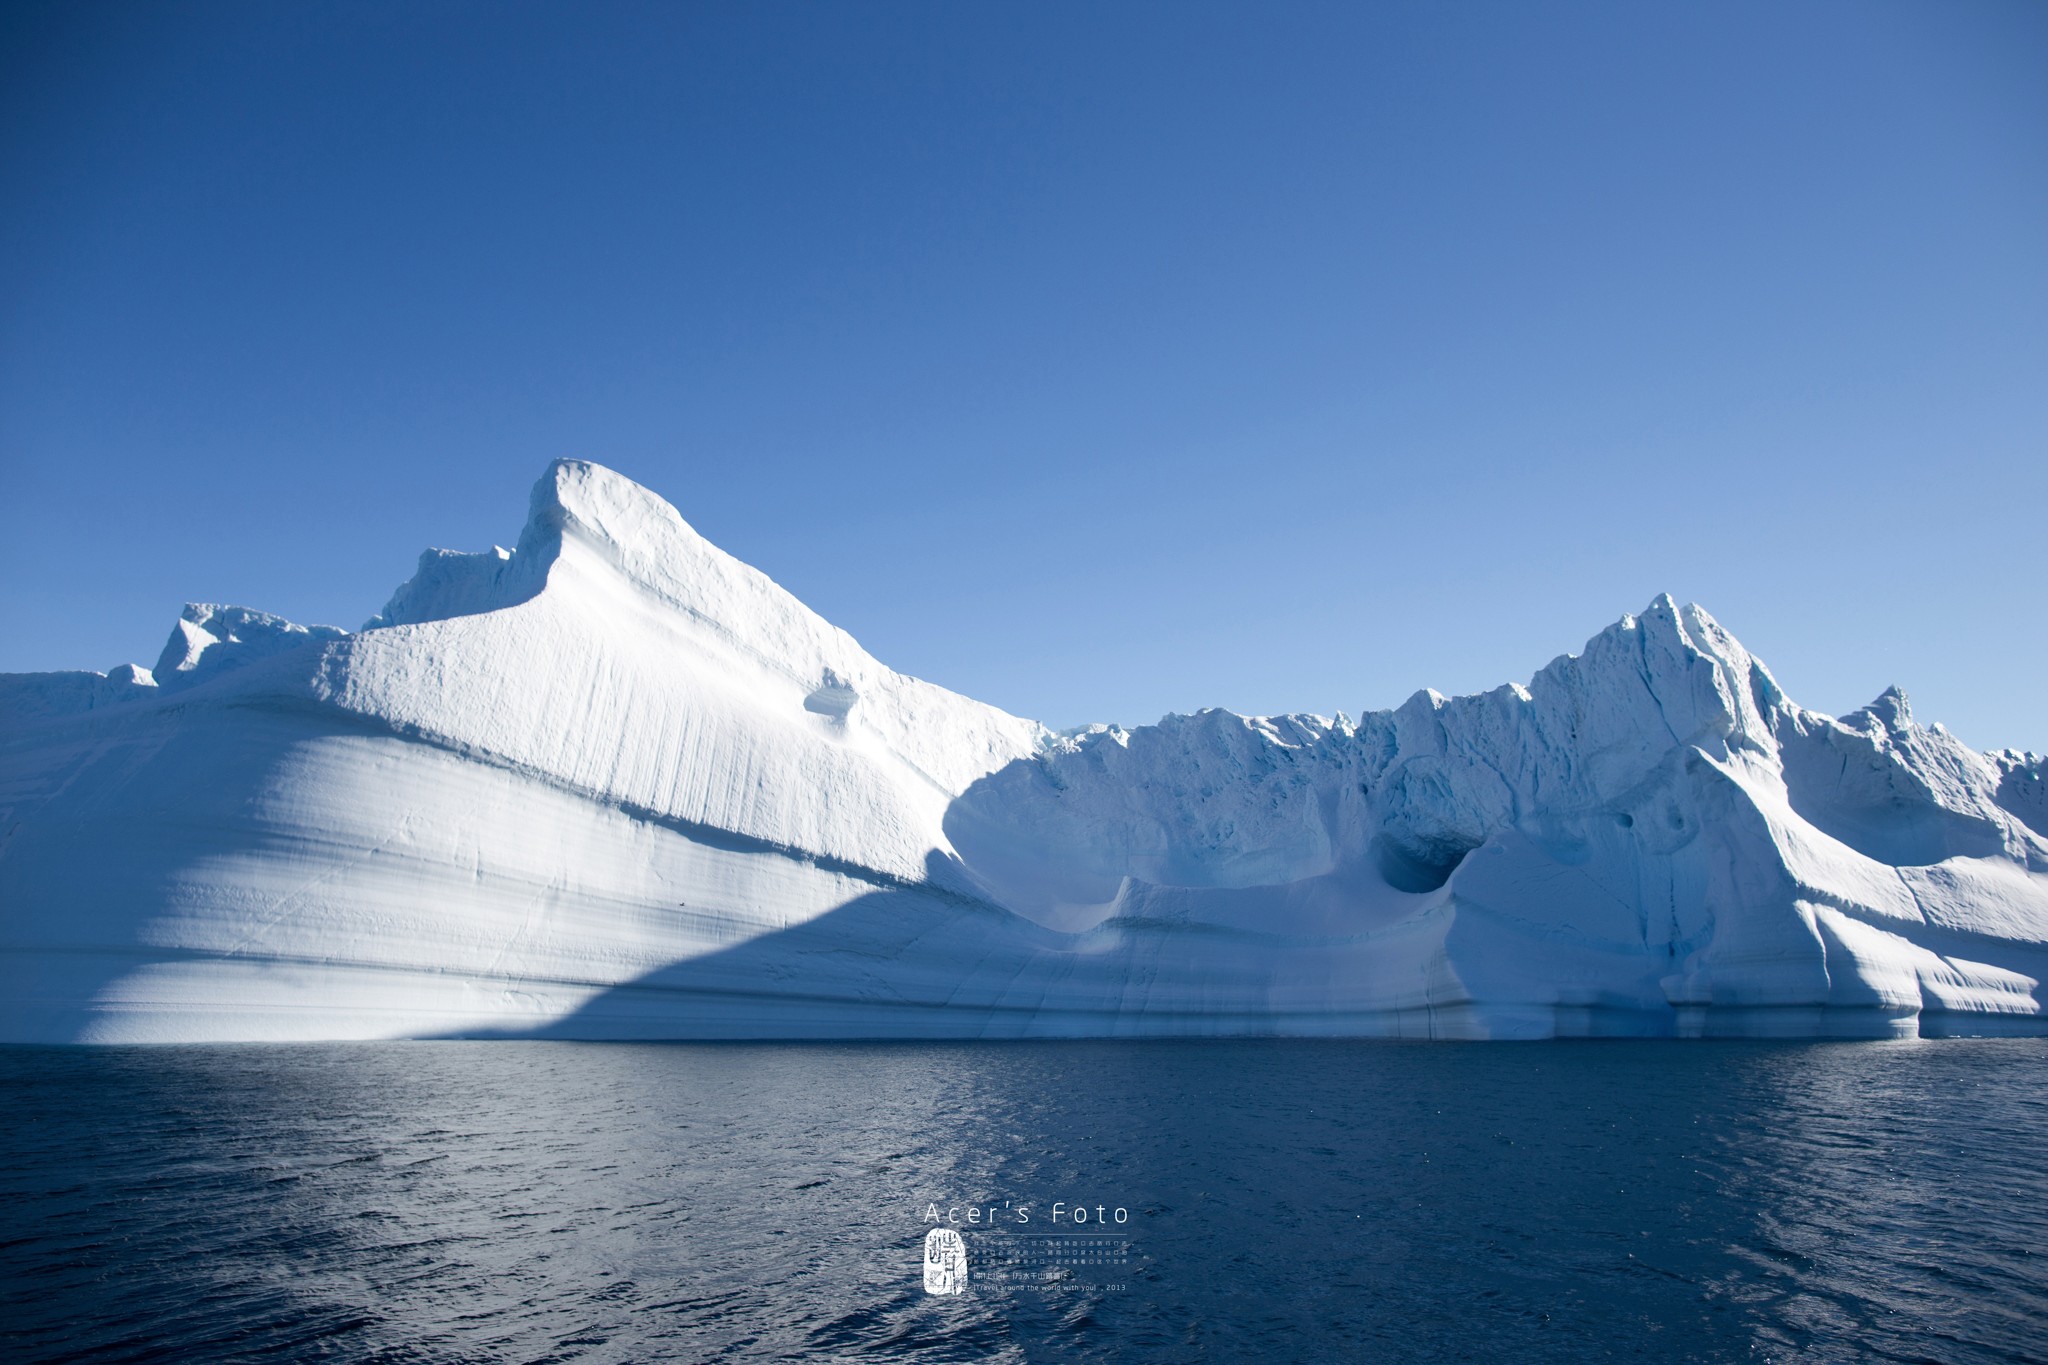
(945, 1262)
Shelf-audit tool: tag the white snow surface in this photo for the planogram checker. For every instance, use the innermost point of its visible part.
(614, 783)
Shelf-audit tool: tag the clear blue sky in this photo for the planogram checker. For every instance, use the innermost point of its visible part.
(1096, 360)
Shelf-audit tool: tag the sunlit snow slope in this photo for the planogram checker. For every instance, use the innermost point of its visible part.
(614, 783)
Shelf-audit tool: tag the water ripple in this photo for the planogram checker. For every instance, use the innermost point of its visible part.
(1288, 1200)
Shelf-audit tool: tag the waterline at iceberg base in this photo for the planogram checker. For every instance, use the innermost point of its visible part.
(615, 784)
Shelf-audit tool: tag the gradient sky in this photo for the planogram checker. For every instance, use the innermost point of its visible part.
(1093, 360)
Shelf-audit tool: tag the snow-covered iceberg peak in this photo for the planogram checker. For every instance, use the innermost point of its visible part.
(619, 652)
(591, 531)
(1648, 830)
(585, 509)
(614, 782)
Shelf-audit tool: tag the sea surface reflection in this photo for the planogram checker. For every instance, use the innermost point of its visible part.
(1285, 1200)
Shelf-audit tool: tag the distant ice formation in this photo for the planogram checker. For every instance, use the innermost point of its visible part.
(615, 784)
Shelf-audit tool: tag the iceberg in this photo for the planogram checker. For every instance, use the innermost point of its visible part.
(613, 783)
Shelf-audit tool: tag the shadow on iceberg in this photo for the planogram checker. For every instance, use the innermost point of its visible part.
(930, 961)
(1879, 783)
(1704, 921)
(485, 810)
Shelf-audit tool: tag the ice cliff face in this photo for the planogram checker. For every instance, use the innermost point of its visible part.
(614, 783)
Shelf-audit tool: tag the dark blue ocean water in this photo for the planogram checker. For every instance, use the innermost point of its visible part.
(1306, 1201)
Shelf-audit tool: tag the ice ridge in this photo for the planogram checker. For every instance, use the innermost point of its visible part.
(612, 782)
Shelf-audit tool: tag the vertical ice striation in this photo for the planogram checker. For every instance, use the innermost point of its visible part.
(613, 782)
